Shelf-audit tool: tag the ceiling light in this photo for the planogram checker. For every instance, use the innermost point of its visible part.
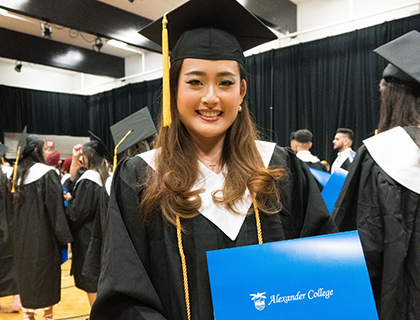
(123, 45)
(46, 30)
(18, 66)
(98, 45)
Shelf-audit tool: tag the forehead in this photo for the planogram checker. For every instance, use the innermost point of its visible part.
(210, 66)
(340, 136)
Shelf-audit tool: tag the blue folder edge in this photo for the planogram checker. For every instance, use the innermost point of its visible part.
(323, 277)
(320, 175)
(333, 187)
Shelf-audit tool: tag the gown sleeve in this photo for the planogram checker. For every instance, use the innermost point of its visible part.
(122, 292)
(54, 202)
(304, 212)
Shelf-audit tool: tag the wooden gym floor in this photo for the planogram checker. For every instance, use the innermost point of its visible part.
(74, 302)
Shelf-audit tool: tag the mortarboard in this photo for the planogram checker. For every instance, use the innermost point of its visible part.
(403, 54)
(99, 146)
(3, 149)
(19, 149)
(132, 129)
(211, 30)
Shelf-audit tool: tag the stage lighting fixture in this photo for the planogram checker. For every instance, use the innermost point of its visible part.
(98, 44)
(46, 30)
(18, 66)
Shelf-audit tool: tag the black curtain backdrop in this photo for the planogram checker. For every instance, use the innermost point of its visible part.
(320, 85)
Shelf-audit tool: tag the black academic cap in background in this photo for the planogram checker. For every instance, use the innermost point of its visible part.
(21, 143)
(3, 149)
(403, 54)
(211, 30)
(99, 146)
(139, 124)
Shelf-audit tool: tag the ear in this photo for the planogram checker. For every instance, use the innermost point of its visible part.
(310, 145)
(243, 88)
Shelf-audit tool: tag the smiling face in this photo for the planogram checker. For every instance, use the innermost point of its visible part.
(209, 95)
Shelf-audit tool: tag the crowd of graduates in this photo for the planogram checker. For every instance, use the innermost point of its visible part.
(139, 235)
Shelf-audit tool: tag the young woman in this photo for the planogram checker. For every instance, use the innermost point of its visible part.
(39, 231)
(83, 203)
(381, 195)
(207, 185)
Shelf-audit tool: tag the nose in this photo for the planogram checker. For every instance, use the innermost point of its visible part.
(210, 98)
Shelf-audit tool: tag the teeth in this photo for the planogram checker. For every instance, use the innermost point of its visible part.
(209, 114)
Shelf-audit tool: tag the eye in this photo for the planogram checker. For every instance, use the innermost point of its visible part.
(194, 82)
(227, 83)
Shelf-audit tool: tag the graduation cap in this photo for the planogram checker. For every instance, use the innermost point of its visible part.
(99, 146)
(403, 54)
(211, 30)
(3, 150)
(132, 130)
(19, 149)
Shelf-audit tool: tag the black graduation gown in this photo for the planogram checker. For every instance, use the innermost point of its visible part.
(387, 216)
(40, 230)
(141, 276)
(81, 211)
(8, 284)
(92, 265)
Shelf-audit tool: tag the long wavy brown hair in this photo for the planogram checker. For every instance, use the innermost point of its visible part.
(177, 170)
(400, 105)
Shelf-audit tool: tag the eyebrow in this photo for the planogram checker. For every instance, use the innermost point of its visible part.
(201, 73)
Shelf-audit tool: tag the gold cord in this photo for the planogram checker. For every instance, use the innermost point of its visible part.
(184, 267)
(257, 218)
(116, 148)
(184, 261)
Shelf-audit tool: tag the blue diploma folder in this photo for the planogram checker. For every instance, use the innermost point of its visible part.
(323, 277)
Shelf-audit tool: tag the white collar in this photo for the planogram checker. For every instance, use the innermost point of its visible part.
(108, 183)
(307, 156)
(91, 175)
(36, 172)
(65, 178)
(8, 171)
(230, 223)
(398, 155)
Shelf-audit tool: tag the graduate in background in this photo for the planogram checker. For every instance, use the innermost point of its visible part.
(132, 135)
(39, 229)
(208, 184)
(381, 195)
(83, 204)
(8, 284)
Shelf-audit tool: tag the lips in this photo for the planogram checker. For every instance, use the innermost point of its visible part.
(209, 114)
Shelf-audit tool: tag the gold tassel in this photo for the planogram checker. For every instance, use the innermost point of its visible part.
(116, 148)
(2, 161)
(376, 132)
(14, 171)
(166, 99)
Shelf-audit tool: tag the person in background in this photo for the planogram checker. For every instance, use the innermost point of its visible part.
(53, 160)
(39, 229)
(342, 142)
(381, 195)
(208, 184)
(65, 169)
(83, 204)
(293, 141)
(8, 284)
(303, 139)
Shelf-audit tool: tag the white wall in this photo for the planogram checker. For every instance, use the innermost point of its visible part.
(339, 16)
(63, 144)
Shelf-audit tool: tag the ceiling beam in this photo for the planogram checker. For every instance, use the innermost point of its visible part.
(24, 47)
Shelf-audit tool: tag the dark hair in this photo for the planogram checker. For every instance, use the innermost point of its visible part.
(95, 160)
(348, 132)
(400, 105)
(303, 136)
(32, 153)
(292, 136)
(177, 169)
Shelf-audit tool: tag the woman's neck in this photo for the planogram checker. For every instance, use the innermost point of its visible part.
(209, 152)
